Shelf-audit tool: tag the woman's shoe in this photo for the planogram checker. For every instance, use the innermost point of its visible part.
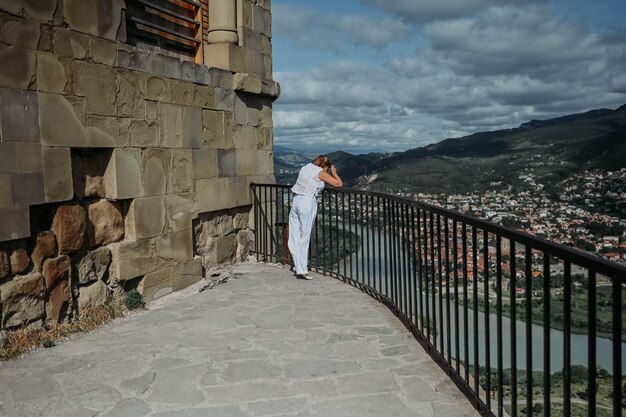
(304, 276)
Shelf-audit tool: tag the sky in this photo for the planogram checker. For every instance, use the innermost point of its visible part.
(390, 75)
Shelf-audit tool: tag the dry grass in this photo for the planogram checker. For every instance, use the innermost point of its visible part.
(25, 339)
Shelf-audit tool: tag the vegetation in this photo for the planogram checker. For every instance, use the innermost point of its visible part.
(578, 381)
(133, 300)
(25, 339)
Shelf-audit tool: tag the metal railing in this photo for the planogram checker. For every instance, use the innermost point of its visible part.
(523, 326)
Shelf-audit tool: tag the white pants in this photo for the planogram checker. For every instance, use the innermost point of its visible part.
(301, 218)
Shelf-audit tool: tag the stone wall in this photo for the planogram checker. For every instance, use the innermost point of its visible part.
(120, 165)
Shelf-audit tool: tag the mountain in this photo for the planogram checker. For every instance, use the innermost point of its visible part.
(550, 149)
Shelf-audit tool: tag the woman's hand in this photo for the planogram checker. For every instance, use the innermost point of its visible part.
(331, 178)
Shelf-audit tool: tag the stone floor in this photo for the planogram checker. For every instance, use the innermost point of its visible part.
(264, 344)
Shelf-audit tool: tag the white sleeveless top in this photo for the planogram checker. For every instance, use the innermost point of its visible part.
(308, 183)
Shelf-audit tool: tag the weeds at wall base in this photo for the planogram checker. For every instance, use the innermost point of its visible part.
(26, 339)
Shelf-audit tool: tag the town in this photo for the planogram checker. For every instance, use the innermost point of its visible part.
(589, 213)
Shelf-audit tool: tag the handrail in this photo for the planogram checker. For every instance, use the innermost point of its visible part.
(444, 274)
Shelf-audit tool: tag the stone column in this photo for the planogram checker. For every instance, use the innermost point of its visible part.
(223, 21)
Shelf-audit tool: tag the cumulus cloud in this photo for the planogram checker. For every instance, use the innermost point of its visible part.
(497, 68)
(423, 10)
(325, 31)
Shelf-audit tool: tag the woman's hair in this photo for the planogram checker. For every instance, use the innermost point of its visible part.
(322, 161)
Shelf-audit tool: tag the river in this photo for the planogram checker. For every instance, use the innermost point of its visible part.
(368, 255)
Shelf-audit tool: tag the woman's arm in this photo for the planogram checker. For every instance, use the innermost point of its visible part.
(331, 177)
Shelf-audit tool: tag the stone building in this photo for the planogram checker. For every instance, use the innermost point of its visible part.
(130, 131)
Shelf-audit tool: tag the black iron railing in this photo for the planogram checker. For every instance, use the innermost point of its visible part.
(523, 326)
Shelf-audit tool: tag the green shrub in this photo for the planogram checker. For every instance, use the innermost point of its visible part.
(133, 300)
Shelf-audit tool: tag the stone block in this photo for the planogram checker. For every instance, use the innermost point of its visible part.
(28, 157)
(20, 262)
(215, 130)
(45, 41)
(94, 266)
(11, 6)
(160, 64)
(132, 259)
(240, 110)
(266, 116)
(182, 92)
(186, 274)
(217, 251)
(156, 284)
(6, 191)
(152, 112)
(246, 138)
(158, 89)
(8, 159)
(181, 174)
(259, 15)
(177, 246)
(105, 222)
(23, 33)
(180, 209)
(221, 78)
(22, 301)
(192, 127)
(227, 163)
(146, 217)
(51, 74)
(188, 71)
(142, 134)
(45, 247)
(69, 226)
(88, 169)
(241, 220)
(222, 193)
(20, 116)
(156, 166)
(122, 178)
(204, 96)
(102, 51)
(57, 174)
(216, 225)
(131, 94)
(224, 99)
(171, 127)
(69, 43)
(5, 265)
(19, 67)
(57, 274)
(95, 17)
(205, 163)
(246, 17)
(268, 69)
(41, 10)
(266, 45)
(248, 83)
(265, 138)
(98, 84)
(245, 244)
(107, 129)
(271, 89)
(93, 295)
(27, 189)
(70, 133)
(225, 56)
(251, 39)
(245, 162)
(15, 223)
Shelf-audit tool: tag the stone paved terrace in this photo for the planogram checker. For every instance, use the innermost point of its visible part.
(264, 344)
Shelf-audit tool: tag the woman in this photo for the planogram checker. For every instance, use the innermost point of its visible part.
(310, 182)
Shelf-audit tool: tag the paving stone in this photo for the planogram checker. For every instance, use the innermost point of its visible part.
(241, 349)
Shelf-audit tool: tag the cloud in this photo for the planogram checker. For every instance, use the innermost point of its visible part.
(424, 10)
(335, 32)
(496, 69)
